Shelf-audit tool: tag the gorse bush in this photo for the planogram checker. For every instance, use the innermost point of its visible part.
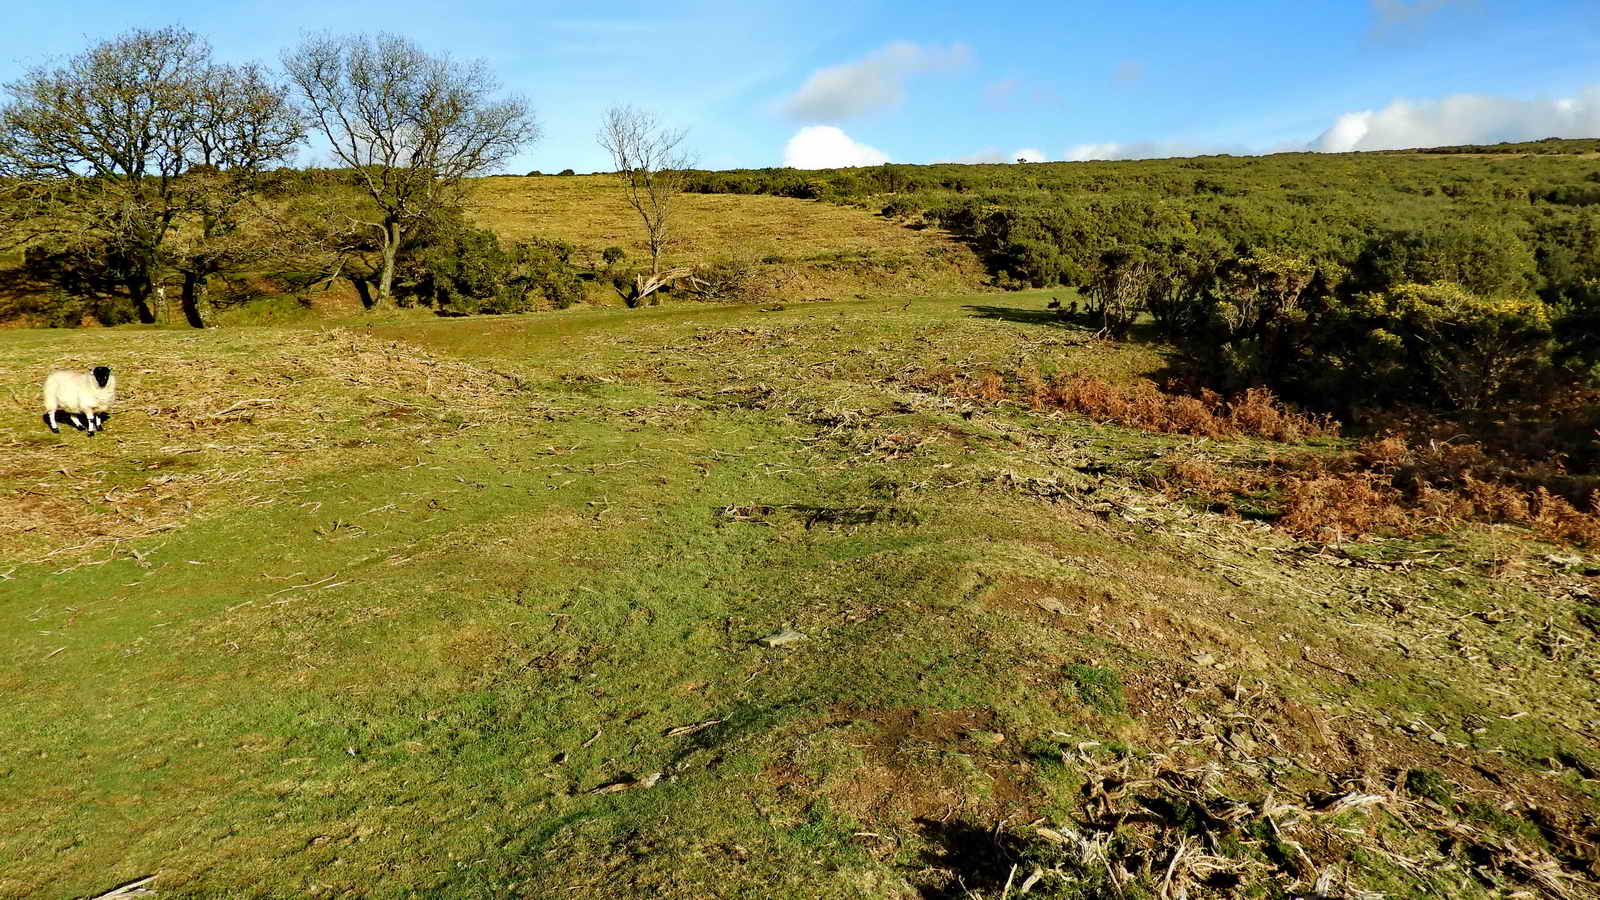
(466, 270)
(1473, 348)
(1306, 273)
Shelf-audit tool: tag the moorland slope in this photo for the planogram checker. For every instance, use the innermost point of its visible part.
(473, 607)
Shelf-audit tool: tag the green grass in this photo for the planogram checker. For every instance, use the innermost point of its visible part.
(394, 631)
(1097, 687)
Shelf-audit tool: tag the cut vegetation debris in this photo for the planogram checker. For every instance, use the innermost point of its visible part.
(468, 607)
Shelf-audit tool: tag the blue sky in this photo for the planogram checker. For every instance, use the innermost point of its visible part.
(837, 83)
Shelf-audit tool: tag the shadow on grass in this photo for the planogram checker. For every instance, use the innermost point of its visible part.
(1023, 316)
(1142, 332)
(979, 860)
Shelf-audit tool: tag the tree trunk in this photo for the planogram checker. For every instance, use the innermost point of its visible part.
(194, 287)
(364, 288)
(391, 249)
(139, 293)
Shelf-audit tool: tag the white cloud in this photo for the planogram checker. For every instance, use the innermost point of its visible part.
(826, 147)
(1143, 150)
(1403, 125)
(1086, 152)
(874, 82)
(1029, 154)
(1462, 119)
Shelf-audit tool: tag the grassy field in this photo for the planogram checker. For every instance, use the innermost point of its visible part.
(474, 608)
(800, 248)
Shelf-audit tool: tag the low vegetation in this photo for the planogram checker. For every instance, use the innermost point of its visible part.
(504, 634)
(1253, 413)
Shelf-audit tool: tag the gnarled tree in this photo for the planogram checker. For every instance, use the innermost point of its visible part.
(103, 152)
(411, 126)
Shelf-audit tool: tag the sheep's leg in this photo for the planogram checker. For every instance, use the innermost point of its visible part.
(88, 418)
(50, 420)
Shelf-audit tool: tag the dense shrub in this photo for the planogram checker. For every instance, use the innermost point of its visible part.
(465, 271)
(1278, 271)
(900, 208)
(1473, 348)
(88, 280)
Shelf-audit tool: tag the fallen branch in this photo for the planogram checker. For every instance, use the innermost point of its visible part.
(131, 889)
(243, 404)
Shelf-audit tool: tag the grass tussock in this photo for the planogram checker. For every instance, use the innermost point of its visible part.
(1256, 412)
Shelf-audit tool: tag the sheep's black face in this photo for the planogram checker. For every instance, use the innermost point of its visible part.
(102, 374)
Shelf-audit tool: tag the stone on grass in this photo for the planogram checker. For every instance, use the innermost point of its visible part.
(783, 638)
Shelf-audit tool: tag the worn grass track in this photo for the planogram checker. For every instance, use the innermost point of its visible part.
(471, 608)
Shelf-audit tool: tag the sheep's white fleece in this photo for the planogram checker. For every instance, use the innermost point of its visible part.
(77, 392)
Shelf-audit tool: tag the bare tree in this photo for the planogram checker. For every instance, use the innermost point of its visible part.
(242, 121)
(653, 168)
(96, 147)
(410, 125)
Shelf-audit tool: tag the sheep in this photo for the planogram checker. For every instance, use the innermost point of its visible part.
(88, 394)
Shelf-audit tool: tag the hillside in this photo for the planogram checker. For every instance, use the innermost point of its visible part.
(798, 248)
(1506, 218)
(794, 249)
(473, 607)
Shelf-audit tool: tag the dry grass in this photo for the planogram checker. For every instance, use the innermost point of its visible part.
(1384, 485)
(800, 248)
(589, 210)
(192, 434)
(1162, 824)
(1390, 485)
(1255, 413)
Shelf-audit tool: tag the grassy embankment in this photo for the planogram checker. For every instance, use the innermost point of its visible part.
(795, 248)
(798, 248)
(471, 607)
